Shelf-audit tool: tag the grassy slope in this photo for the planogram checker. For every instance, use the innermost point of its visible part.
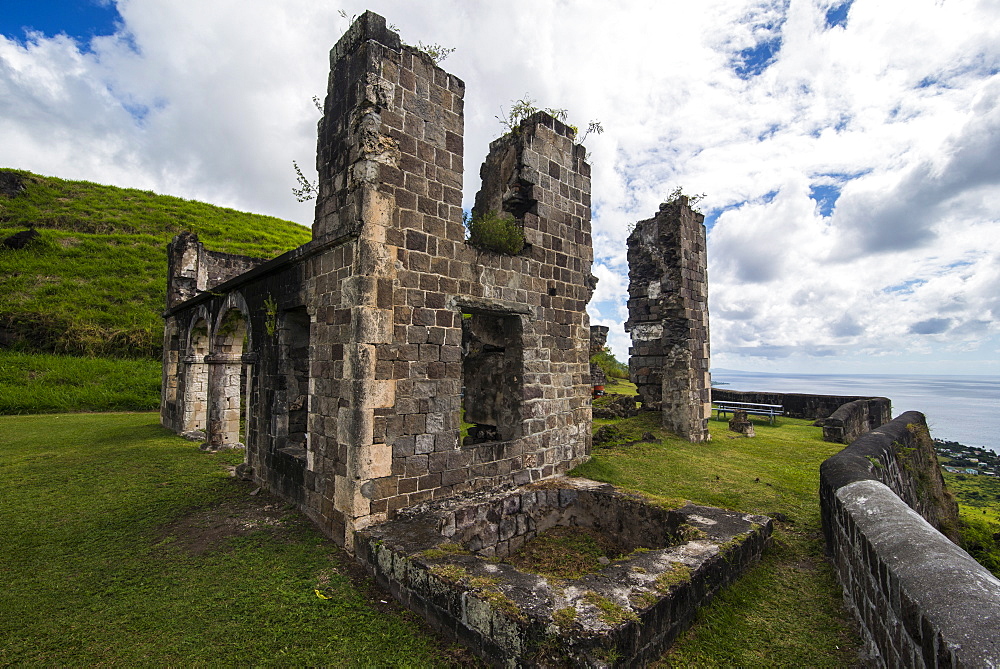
(788, 610)
(95, 283)
(95, 570)
(979, 513)
(44, 383)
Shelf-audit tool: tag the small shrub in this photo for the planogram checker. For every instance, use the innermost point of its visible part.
(609, 364)
(495, 232)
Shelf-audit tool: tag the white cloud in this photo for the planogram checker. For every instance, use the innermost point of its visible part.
(895, 111)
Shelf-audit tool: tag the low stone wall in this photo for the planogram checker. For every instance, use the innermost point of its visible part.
(853, 419)
(919, 598)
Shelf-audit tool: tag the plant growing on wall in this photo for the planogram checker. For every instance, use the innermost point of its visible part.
(491, 231)
(693, 200)
(525, 107)
(306, 189)
(270, 316)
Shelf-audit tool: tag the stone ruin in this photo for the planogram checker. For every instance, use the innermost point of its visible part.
(668, 318)
(388, 371)
(598, 339)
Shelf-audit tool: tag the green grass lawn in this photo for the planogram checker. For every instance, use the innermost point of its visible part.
(125, 545)
(42, 383)
(786, 611)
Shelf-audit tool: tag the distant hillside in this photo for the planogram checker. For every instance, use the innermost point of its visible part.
(94, 281)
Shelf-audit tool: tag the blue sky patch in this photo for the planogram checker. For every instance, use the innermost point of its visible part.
(825, 196)
(80, 19)
(713, 214)
(905, 287)
(768, 197)
(836, 16)
(751, 61)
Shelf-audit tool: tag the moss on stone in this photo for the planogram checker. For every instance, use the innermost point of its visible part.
(564, 617)
(679, 573)
(611, 613)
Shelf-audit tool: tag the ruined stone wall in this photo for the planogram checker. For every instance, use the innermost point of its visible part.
(353, 373)
(919, 598)
(668, 318)
(598, 340)
(389, 406)
(193, 269)
(853, 419)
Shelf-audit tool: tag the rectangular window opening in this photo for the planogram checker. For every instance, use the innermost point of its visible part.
(492, 372)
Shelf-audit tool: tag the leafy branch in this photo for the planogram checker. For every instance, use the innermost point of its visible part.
(306, 190)
(436, 51)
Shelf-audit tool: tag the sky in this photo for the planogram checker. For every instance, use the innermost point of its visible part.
(848, 150)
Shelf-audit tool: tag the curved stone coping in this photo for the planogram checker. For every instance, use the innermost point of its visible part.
(632, 609)
(923, 600)
(920, 599)
(873, 457)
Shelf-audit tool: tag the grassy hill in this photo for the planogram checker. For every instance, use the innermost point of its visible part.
(94, 282)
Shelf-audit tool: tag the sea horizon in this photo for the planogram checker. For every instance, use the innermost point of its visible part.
(959, 407)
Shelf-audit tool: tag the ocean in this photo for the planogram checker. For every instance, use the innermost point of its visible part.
(965, 409)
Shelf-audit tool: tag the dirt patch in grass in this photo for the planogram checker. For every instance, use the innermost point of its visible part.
(209, 528)
(242, 513)
(565, 552)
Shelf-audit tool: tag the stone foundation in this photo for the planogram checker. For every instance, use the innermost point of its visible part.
(441, 560)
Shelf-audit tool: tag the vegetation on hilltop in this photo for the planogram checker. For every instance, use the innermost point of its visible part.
(978, 505)
(94, 282)
(609, 364)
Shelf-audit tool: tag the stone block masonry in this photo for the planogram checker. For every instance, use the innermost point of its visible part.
(344, 366)
(668, 318)
(446, 560)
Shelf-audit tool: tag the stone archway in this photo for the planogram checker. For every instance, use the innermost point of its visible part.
(226, 374)
(195, 414)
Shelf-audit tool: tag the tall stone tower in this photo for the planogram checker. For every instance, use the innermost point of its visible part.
(668, 318)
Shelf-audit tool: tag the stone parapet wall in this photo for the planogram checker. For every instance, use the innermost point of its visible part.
(853, 419)
(865, 413)
(920, 599)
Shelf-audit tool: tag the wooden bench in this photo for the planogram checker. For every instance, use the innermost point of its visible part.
(769, 410)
